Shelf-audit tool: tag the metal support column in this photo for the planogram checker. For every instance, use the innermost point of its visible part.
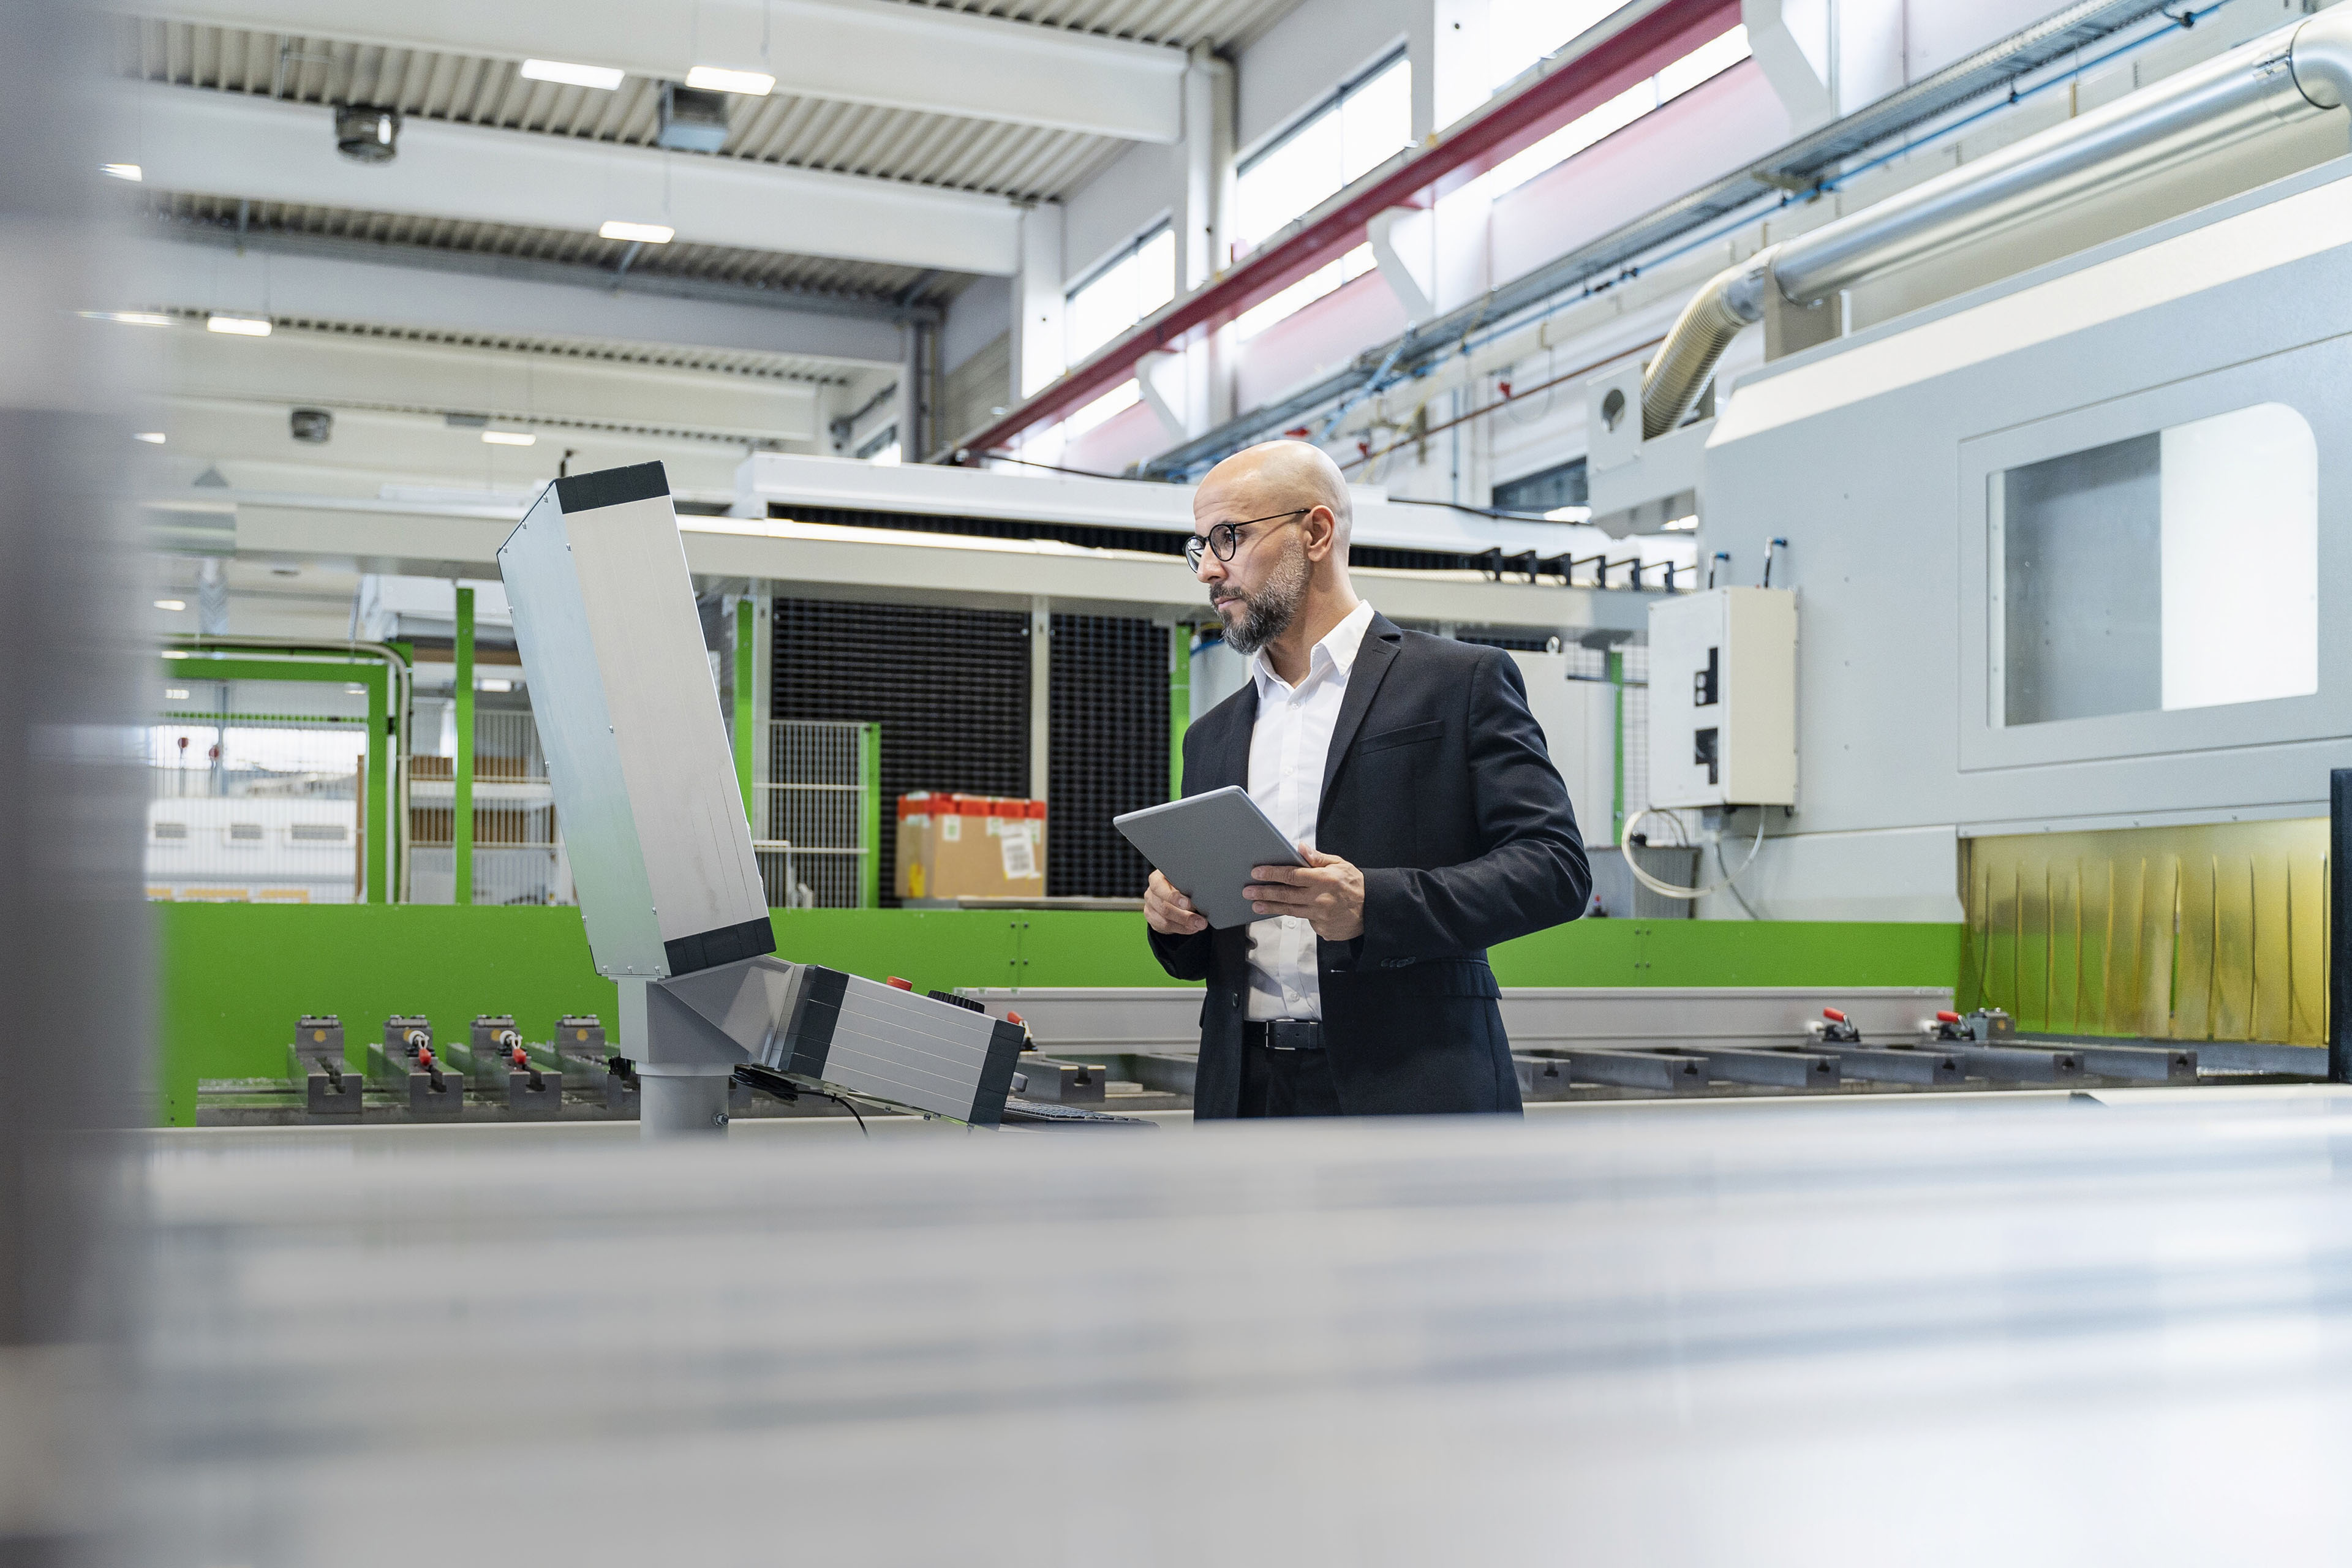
(1180, 704)
(1041, 694)
(680, 1095)
(747, 715)
(461, 773)
(2339, 925)
(869, 795)
(1617, 689)
(379, 787)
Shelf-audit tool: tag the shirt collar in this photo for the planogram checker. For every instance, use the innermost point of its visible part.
(1336, 651)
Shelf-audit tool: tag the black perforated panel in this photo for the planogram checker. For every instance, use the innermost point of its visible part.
(1108, 750)
(950, 688)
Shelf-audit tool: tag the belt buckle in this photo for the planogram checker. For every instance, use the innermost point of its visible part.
(1287, 1033)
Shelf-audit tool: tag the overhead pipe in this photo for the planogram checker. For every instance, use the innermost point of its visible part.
(2283, 77)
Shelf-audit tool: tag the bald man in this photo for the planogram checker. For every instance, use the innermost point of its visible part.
(1416, 782)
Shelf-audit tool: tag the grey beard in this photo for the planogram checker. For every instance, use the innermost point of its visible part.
(1267, 614)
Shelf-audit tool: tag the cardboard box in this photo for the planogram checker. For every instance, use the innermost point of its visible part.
(970, 845)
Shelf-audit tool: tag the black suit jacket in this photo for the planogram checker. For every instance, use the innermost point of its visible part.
(1438, 787)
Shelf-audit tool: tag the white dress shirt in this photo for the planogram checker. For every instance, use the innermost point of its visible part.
(1288, 748)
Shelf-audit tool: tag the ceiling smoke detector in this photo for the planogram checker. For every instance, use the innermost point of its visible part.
(313, 426)
(367, 132)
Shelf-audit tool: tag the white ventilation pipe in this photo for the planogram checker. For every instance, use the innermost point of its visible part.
(2278, 79)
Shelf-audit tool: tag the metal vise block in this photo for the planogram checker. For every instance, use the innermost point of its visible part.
(1686, 1074)
(1066, 1082)
(334, 1092)
(530, 1100)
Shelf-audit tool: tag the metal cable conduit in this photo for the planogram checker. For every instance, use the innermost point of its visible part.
(2279, 78)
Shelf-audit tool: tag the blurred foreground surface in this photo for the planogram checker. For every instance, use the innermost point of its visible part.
(2053, 1331)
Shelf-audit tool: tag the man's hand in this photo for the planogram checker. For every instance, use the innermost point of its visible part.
(1326, 892)
(1170, 912)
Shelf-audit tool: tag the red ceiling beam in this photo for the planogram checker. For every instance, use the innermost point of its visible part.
(1504, 129)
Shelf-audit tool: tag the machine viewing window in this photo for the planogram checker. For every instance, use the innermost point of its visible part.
(2179, 569)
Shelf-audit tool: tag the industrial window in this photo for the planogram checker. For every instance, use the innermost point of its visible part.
(1323, 281)
(1521, 32)
(1108, 750)
(1563, 489)
(2174, 570)
(1704, 63)
(1355, 130)
(948, 686)
(1122, 292)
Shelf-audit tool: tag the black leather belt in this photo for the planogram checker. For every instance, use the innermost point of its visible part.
(1284, 1034)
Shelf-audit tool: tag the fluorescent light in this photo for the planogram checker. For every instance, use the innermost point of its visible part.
(570, 75)
(355, 690)
(1569, 514)
(498, 686)
(175, 694)
(642, 233)
(714, 79)
(509, 437)
(1681, 524)
(239, 326)
(175, 653)
(153, 437)
(171, 604)
(128, 318)
(131, 172)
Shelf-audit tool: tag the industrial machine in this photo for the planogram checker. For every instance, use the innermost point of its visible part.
(661, 850)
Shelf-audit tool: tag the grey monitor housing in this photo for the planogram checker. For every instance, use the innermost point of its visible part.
(669, 885)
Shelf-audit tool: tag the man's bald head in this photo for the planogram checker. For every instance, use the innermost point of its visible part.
(1275, 476)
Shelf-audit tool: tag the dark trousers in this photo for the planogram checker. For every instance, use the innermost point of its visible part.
(1287, 1083)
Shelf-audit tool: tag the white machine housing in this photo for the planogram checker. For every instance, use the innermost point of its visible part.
(1723, 699)
(636, 748)
(661, 849)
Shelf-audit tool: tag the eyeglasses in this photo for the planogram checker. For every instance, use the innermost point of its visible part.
(1225, 538)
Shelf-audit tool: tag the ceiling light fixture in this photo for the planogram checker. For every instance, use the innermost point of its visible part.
(715, 78)
(602, 78)
(153, 437)
(175, 653)
(642, 233)
(128, 318)
(238, 326)
(494, 684)
(1681, 524)
(175, 694)
(131, 172)
(509, 437)
(171, 604)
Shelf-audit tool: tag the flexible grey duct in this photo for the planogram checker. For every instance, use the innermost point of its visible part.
(2288, 75)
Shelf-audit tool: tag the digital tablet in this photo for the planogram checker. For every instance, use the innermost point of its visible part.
(1207, 845)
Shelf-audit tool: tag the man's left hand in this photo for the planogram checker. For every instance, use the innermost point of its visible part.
(1326, 892)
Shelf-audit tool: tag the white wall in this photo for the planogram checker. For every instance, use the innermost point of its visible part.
(977, 318)
(1315, 48)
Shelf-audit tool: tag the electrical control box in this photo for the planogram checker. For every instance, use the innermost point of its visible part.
(1723, 699)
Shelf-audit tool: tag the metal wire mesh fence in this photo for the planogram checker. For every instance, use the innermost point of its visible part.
(518, 854)
(253, 809)
(811, 832)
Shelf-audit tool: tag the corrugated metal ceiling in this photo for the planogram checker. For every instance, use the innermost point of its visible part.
(945, 149)
(765, 268)
(748, 363)
(938, 150)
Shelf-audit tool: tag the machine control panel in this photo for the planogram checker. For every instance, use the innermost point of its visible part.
(1723, 699)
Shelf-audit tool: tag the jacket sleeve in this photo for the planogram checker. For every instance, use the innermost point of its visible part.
(1532, 872)
(1184, 957)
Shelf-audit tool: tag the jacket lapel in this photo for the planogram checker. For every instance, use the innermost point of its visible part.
(1378, 651)
(1230, 763)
